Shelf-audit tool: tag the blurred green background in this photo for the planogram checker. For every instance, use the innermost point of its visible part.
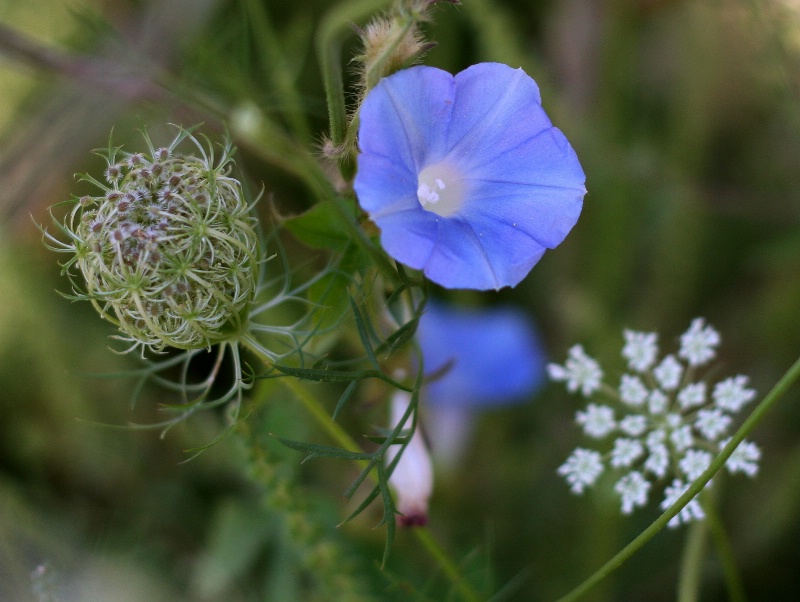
(686, 117)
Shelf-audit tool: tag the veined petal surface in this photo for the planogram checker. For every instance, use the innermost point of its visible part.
(518, 184)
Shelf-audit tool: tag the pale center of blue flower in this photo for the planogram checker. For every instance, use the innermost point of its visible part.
(440, 189)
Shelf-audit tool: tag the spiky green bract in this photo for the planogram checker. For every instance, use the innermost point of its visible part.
(384, 326)
(168, 249)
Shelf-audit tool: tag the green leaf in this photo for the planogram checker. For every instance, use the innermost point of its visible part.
(321, 227)
(316, 450)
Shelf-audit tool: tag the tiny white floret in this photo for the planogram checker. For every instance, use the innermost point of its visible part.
(633, 489)
(699, 343)
(597, 421)
(582, 469)
(731, 394)
(668, 373)
(640, 349)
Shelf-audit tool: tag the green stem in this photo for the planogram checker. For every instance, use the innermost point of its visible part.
(451, 570)
(338, 434)
(778, 391)
(722, 545)
(692, 562)
(332, 30)
(276, 68)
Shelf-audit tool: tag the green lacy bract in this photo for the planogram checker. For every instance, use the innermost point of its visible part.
(169, 251)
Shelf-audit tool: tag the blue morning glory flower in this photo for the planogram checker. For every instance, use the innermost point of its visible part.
(465, 175)
(486, 357)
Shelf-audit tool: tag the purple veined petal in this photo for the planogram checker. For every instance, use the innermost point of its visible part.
(481, 254)
(386, 186)
(538, 191)
(474, 195)
(545, 160)
(496, 109)
(544, 216)
(471, 254)
(492, 356)
(406, 116)
(452, 253)
(409, 236)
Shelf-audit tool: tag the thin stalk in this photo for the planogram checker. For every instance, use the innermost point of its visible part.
(451, 570)
(692, 563)
(338, 434)
(276, 68)
(334, 27)
(778, 391)
(722, 545)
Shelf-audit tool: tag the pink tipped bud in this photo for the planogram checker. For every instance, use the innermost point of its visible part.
(412, 479)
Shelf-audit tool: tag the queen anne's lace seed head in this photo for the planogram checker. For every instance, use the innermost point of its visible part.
(168, 249)
(664, 420)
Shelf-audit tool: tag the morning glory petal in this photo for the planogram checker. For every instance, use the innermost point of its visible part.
(496, 109)
(412, 109)
(465, 176)
(386, 186)
(486, 357)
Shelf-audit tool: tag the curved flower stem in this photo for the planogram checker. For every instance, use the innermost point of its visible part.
(778, 391)
(338, 434)
(722, 545)
(335, 25)
(692, 561)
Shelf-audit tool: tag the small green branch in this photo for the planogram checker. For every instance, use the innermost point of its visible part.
(341, 437)
(322, 418)
(778, 391)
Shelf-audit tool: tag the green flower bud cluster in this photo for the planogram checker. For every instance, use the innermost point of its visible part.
(168, 250)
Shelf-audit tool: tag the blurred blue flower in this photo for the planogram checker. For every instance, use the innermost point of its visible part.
(476, 359)
(466, 177)
(486, 357)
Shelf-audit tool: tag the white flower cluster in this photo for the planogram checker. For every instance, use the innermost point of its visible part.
(664, 422)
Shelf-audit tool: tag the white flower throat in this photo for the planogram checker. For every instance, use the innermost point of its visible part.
(441, 189)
